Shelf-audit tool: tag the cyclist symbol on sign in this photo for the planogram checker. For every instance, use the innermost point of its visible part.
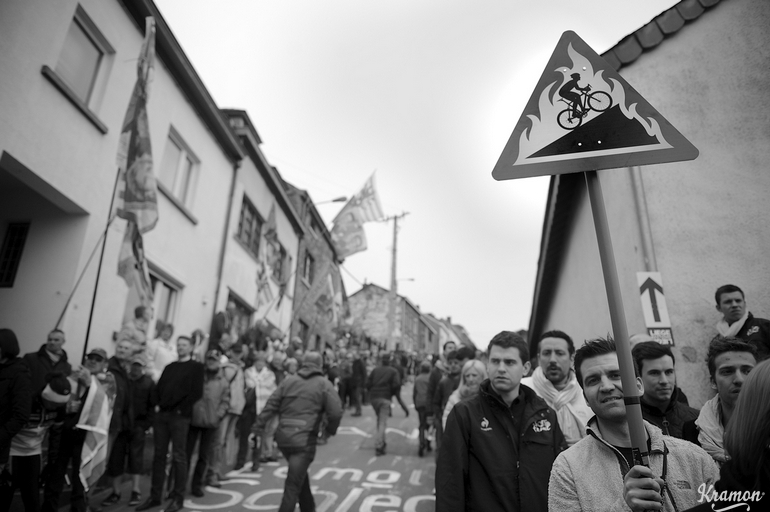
(579, 105)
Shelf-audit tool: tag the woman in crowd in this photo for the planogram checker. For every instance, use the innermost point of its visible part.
(473, 374)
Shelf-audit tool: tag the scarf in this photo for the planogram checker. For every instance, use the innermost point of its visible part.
(95, 420)
(571, 409)
(732, 330)
(711, 431)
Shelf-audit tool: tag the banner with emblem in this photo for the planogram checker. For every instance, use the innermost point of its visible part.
(137, 193)
(348, 231)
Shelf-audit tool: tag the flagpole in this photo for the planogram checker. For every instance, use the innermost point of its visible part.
(110, 218)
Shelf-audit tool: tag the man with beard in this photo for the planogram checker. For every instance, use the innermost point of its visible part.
(554, 381)
(660, 404)
(594, 474)
(729, 361)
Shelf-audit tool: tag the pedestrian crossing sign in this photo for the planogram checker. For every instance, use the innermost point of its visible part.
(583, 116)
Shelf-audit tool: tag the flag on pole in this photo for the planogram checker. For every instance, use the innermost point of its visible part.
(348, 231)
(137, 193)
(285, 277)
(132, 265)
(365, 205)
(266, 259)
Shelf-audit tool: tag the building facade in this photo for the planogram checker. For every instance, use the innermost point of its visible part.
(703, 66)
(320, 300)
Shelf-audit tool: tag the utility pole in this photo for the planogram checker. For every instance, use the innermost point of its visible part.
(393, 295)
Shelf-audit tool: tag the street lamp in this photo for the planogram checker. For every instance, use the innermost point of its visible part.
(340, 199)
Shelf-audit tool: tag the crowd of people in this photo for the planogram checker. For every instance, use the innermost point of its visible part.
(509, 432)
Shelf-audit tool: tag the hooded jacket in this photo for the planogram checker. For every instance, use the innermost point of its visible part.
(672, 420)
(15, 392)
(300, 402)
(213, 405)
(486, 464)
(589, 476)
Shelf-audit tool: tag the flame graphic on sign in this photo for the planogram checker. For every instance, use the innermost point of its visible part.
(545, 130)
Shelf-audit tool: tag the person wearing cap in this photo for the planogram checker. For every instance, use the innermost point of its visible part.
(179, 387)
(91, 379)
(207, 413)
(27, 445)
(382, 384)
(232, 370)
(300, 402)
(129, 420)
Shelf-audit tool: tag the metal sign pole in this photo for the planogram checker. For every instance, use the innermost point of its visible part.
(618, 319)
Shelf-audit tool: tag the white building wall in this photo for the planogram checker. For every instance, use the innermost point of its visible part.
(61, 148)
(240, 269)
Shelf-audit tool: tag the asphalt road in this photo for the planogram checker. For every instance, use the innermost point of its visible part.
(346, 476)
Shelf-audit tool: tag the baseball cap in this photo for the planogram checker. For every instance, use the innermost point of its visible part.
(139, 359)
(99, 352)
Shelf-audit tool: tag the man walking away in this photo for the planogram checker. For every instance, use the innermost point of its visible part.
(179, 387)
(382, 384)
(300, 402)
(422, 403)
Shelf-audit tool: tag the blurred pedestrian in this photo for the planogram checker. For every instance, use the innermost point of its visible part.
(422, 404)
(15, 397)
(299, 403)
(161, 351)
(135, 330)
(383, 382)
(473, 373)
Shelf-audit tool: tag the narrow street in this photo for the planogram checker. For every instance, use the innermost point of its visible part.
(346, 476)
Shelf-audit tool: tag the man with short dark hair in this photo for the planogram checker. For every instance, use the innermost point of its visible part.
(383, 383)
(499, 445)
(738, 322)
(179, 387)
(554, 381)
(594, 473)
(729, 361)
(660, 404)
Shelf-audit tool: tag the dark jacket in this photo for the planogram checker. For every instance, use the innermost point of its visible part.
(15, 399)
(420, 396)
(122, 413)
(179, 387)
(756, 331)
(488, 465)
(300, 402)
(446, 386)
(359, 372)
(141, 395)
(433, 380)
(672, 420)
(383, 382)
(40, 364)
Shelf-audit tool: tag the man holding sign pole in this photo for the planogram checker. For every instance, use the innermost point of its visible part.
(676, 467)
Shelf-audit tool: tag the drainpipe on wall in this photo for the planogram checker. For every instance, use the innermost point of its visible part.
(642, 214)
(222, 251)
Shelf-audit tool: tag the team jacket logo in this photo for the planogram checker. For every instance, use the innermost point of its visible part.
(542, 426)
(485, 425)
(753, 330)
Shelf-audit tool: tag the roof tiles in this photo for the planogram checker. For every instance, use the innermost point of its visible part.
(653, 33)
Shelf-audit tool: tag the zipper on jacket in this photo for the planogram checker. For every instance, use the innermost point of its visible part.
(665, 426)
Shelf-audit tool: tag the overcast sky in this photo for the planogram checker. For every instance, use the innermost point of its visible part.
(425, 92)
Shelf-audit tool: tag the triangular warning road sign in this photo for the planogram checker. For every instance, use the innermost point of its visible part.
(612, 125)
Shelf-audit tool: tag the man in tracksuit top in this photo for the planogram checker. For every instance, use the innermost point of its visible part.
(498, 446)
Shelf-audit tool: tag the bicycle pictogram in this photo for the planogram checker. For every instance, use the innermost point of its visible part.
(580, 104)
